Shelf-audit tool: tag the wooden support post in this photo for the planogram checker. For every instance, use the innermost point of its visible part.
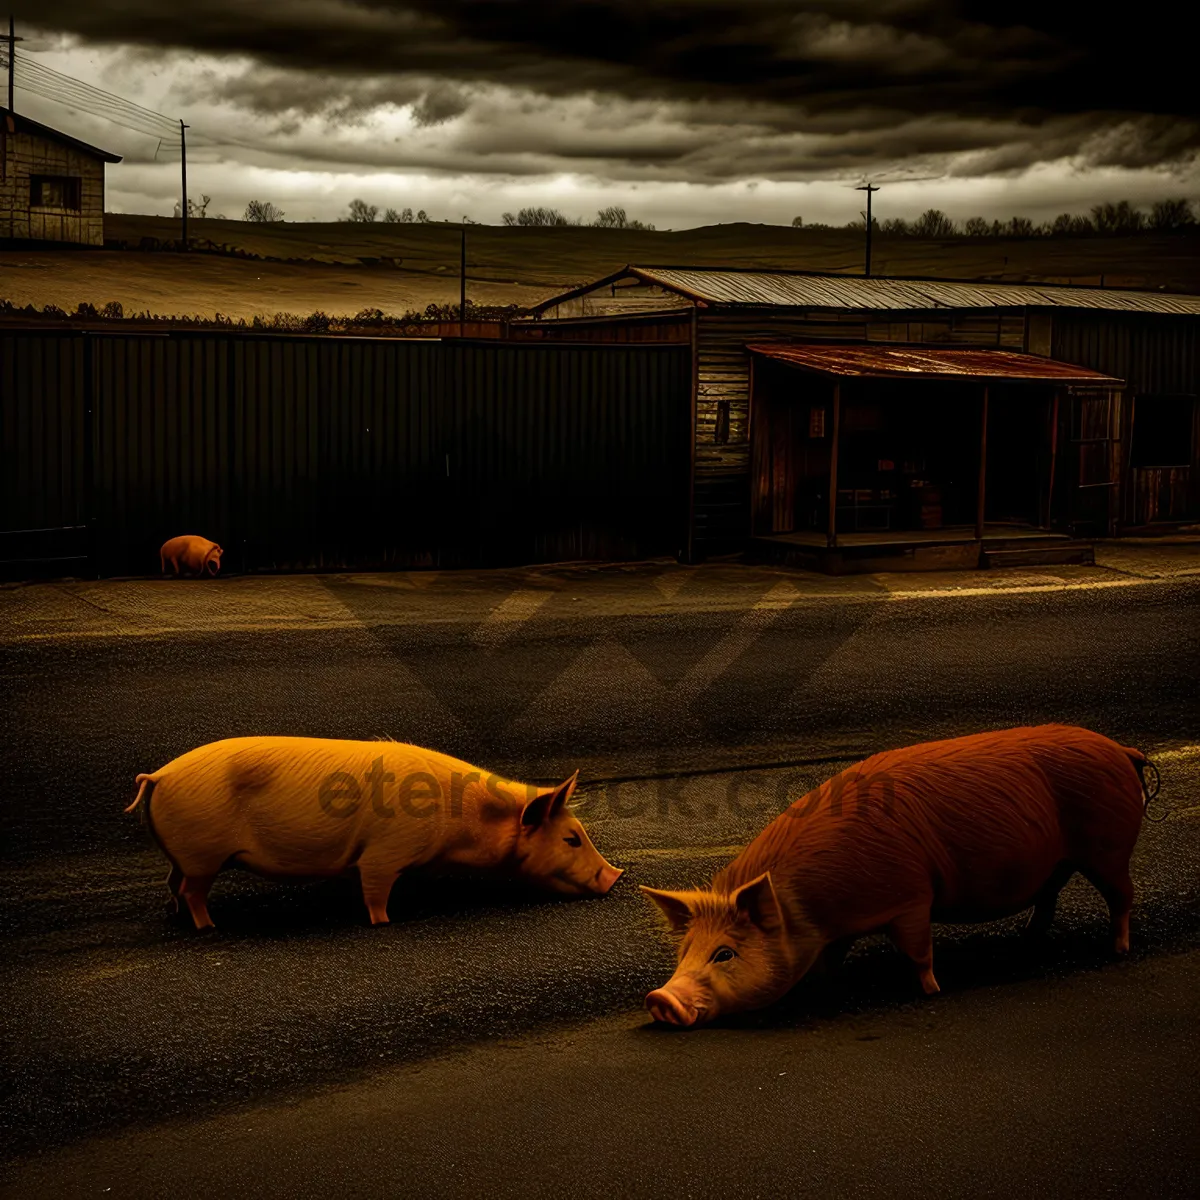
(831, 535)
(754, 437)
(1053, 431)
(982, 498)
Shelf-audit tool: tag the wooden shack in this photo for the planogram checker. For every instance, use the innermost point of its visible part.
(870, 423)
(51, 184)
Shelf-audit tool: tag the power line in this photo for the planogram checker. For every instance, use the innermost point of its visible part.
(36, 77)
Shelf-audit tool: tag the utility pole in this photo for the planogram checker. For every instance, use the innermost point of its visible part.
(462, 277)
(183, 208)
(869, 188)
(12, 59)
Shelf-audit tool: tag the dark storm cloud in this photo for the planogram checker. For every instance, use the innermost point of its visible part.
(1024, 82)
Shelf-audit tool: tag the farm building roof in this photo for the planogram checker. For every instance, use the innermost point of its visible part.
(911, 362)
(799, 289)
(15, 123)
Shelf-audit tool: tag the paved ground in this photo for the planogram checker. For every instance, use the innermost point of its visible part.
(697, 701)
(1068, 1088)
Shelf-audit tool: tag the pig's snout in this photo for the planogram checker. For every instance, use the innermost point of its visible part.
(665, 1006)
(606, 877)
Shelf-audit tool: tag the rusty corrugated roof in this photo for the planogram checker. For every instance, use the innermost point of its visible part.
(919, 362)
(794, 289)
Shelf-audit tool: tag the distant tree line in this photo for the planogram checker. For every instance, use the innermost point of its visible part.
(1122, 218)
(360, 212)
(613, 217)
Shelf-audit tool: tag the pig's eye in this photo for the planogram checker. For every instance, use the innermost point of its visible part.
(573, 839)
(723, 954)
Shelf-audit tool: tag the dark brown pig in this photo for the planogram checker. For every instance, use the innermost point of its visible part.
(970, 829)
(303, 808)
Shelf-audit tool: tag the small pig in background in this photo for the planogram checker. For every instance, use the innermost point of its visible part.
(191, 554)
(970, 829)
(304, 808)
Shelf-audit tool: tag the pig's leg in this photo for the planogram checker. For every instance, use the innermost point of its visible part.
(1046, 901)
(193, 891)
(833, 956)
(1114, 884)
(377, 881)
(911, 934)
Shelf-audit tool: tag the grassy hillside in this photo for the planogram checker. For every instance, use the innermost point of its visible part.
(244, 270)
(550, 257)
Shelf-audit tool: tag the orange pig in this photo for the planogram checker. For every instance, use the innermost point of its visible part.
(191, 553)
(970, 829)
(292, 807)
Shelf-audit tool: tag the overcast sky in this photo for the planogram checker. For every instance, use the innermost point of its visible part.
(686, 112)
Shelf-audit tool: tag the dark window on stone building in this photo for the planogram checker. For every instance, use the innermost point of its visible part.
(54, 191)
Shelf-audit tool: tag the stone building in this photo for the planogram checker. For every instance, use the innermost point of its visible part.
(51, 184)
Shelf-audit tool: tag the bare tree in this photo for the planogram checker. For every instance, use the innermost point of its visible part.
(1167, 216)
(539, 216)
(391, 216)
(613, 217)
(1118, 218)
(1070, 225)
(361, 212)
(797, 222)
(1021, 227)
(933, 223)
(195, 209)
(262, 211)
(895, 227)
(977, 227)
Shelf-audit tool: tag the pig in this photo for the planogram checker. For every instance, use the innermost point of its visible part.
(191, 553)
(970, 829)
(304, 808)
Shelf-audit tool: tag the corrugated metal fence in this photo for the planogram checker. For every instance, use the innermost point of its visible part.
(307, 453)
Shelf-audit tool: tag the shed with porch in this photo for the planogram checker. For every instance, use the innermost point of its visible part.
(1091, 413)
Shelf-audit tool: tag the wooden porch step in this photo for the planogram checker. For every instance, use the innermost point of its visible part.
(1041, 555)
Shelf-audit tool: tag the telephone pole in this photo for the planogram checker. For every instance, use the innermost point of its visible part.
(462, 276)
(12, 59)
(869, 188)
(183, 208)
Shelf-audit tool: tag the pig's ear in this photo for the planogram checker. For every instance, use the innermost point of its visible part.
(758, 901)
(548, 805)
(674, 906)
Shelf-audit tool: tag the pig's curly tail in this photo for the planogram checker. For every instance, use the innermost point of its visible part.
(1147, 791)
(141, 801)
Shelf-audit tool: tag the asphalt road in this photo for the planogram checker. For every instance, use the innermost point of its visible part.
(690, 727)
(1081, 1087)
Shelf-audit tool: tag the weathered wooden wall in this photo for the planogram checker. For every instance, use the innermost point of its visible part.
(27, 154)
(722, 499)
(1155, 356)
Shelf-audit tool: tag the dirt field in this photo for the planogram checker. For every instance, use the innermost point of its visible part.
(341, 268)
